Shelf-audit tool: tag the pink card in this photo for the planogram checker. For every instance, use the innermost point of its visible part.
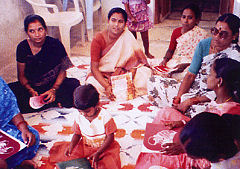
(36, 102)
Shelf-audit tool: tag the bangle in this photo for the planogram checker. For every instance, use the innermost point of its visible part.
(184, 122)
(21, 122)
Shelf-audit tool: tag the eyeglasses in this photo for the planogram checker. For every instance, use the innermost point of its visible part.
(221, 34)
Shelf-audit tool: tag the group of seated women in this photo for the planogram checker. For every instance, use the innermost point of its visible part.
(213, 76)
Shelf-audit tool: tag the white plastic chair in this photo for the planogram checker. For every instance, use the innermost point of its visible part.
(64, 20)
(97, 7)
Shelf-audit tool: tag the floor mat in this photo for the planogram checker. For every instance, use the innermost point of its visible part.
(130, 117)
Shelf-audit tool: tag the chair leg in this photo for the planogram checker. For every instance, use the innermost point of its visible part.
(83, 31)
(99, 18)
(65, 38)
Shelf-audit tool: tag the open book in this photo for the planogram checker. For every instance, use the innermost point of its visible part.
(9, 145)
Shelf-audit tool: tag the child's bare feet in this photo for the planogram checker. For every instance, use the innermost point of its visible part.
(150, 56)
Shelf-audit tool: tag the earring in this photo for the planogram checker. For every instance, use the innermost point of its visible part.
(218, 85)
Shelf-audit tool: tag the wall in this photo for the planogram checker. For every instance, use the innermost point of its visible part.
(12, 15)
(12, 32)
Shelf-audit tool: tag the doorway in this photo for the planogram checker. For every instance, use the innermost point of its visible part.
(163, 8)
(204, 5)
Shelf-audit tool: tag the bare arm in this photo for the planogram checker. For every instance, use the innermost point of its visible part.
(107, 142)
(61, 76)
(51, 93)
(99, 77)
(183, 106)
(23, 80)
(167, 57)
(74, 141)
(185, 86)
(21, 124)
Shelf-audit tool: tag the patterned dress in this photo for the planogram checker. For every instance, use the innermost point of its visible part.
(142, 13)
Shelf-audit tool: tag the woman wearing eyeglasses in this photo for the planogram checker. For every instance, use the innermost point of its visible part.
(222, 44)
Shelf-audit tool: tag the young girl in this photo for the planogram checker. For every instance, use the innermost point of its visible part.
(93, 133)
(139, 20)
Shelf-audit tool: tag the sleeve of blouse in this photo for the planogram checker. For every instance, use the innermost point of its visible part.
(110, 127)
(76, 128)
(197, 59)
(21, 53)
(96, 47)
(174, 36)
(61, 49)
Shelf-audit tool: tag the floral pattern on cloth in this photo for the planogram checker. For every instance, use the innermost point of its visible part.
(186, 45)
(142, 13)
(162, 90)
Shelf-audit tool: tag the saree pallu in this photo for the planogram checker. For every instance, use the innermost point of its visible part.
(124, 56)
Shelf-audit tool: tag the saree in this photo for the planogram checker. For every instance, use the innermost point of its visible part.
(146, 160)
(162, 90)
(124, 56)
(185, 48)
(8, 110)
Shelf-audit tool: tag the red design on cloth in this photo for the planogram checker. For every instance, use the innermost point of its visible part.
(144, 107)
(127, 107)
(39, 127)
(66, 130)
(120, 133)
(138, 134)
(102, 103)
(84, 66)
(128, 167)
